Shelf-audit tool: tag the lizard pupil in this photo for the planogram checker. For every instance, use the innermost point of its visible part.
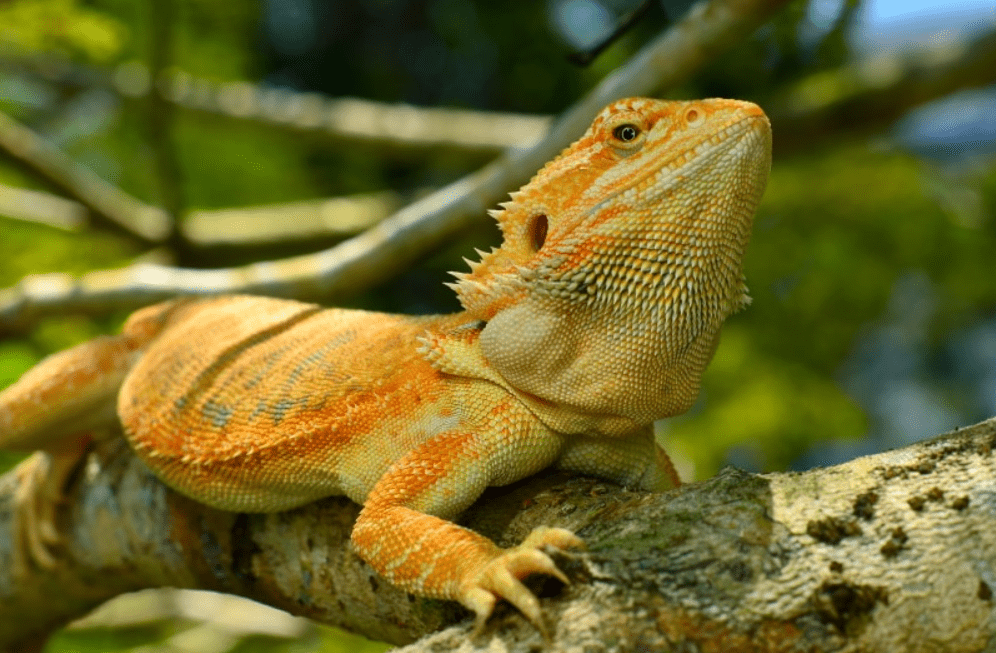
(626, 133)
(537, 232)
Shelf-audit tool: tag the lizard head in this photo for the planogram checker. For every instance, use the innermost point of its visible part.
(622, 257)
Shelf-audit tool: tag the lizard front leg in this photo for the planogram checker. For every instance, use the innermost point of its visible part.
(634, 461)
(402, 531)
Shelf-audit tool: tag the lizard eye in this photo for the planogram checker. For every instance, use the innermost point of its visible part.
(626, 133)
(537, 232)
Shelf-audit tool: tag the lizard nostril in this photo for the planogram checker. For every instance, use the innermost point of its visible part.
(537, 232)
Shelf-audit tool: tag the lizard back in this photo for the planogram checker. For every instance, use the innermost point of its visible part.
(237, 391)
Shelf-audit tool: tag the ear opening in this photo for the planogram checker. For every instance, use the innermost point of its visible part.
(538, 227)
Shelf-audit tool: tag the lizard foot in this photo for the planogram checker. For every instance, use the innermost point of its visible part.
(34, 512)
(41, 480)
(501, 577)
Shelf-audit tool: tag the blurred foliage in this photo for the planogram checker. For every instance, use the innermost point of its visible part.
(107, 640)
(837, 233)
(190, 635)
(64, 26)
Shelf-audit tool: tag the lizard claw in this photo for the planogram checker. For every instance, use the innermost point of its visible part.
(501, 577)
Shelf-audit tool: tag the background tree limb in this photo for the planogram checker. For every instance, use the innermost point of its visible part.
(858, 98)
(353, 121)
(865, 96)
(119, 211)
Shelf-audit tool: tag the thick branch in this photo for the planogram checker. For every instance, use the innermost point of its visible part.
(394, 244)
(892, 552)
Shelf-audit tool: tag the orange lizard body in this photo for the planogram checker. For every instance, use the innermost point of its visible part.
(597, 316)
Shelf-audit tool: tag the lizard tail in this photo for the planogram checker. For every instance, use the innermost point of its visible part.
(75, 391)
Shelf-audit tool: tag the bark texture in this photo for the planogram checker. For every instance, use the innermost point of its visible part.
(892, 552)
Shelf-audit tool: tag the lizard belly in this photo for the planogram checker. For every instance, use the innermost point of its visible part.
(259, 405)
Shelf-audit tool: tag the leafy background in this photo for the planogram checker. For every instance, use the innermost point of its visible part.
(872, 260)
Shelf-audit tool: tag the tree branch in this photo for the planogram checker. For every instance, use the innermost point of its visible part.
(119, 210)
(892, 552)
(44, 208)
(394, 244)
(866, 96)
(245, 226)
(362, 122)
(349, 120)
(272, 224)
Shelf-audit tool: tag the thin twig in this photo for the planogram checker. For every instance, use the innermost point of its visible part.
(119, 210)
(626, 23)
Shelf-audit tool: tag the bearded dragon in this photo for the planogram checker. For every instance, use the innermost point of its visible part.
(597, 315)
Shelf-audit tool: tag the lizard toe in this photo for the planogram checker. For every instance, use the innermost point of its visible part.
(34, 513)
(502, 577)
(41, 478)
(558, 538)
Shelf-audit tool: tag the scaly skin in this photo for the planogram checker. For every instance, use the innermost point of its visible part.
(596, 316)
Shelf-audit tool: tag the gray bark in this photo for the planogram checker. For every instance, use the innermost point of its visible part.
(892, 552)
